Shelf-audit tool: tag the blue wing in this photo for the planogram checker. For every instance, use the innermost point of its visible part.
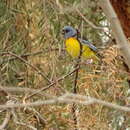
(85, 42)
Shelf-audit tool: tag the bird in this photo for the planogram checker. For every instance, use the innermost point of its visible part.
(77, 46)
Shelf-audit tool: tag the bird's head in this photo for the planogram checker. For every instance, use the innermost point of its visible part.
(69, 31)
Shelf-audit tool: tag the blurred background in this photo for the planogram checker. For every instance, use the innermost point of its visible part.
(32, 55)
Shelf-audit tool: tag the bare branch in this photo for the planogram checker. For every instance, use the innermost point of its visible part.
(69, 99)
(53, 83)
(24, 90)
(27, 63)
(46, 50)
(87, 21)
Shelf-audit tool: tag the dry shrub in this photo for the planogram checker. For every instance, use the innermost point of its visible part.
(34, 28)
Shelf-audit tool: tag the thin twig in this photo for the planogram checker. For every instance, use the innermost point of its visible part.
(18, 122)
(52, 84)
(27, 63)
(74, 106)
(39, 116)
(87, 21)
(92, 24)
(24, 90)
(29, 54)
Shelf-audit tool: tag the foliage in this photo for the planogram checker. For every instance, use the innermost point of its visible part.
(31, 29)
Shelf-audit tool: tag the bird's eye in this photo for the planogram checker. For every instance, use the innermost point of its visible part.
(67, 31)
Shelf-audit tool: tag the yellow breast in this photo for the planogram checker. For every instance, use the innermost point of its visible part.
(73, 48)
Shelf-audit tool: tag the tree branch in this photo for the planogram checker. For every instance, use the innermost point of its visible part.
(68, 98)
(117, 29)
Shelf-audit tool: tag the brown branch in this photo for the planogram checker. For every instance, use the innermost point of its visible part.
(35, 91)
(29, 54)
(75, 88)
(52, 84)
(87, 21)
(92, 24)
(74, 106)
(117, 30)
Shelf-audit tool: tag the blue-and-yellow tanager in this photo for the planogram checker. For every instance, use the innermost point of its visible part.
(76, 46)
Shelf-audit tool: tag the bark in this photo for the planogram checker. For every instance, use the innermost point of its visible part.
(122, 9)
